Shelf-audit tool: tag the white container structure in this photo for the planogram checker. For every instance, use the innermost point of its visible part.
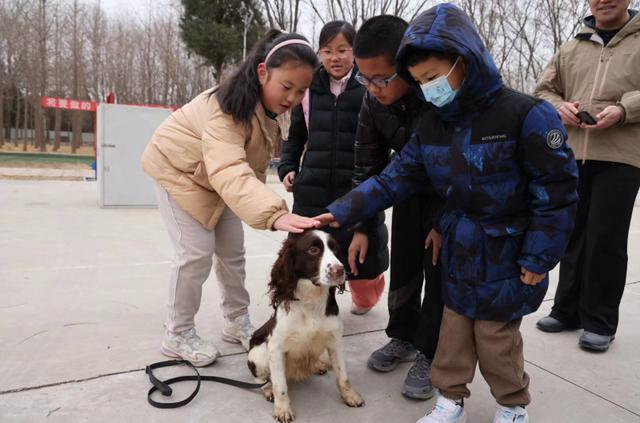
(123, 133)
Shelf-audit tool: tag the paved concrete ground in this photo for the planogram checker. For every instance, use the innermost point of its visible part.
(82, 305)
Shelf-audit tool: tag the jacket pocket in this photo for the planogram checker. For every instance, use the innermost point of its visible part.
(502, 246)
(200, 176)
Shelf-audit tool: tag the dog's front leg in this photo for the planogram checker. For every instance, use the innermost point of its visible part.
(348, 394)
(281, 404)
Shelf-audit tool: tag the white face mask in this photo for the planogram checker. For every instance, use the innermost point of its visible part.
(439, 92)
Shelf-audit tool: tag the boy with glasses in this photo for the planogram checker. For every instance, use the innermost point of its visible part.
(386, 120)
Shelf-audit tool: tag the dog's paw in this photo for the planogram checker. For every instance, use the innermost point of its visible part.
(320, 368)
(267, 391)
(283, 414)
(352, 398)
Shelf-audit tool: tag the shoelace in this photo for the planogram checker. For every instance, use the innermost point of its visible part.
(420, 368)
(244, 323)
(192, 339)
(394, 347)
(510, 416)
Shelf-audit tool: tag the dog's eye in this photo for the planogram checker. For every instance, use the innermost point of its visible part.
(314, 251)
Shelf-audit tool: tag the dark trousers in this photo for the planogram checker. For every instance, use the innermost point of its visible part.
(594, 269)
(411, 317)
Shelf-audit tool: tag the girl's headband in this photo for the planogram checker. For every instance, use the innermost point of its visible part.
(286, 43)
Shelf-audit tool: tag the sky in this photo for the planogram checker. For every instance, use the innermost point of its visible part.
(141, 8)
(128, 7)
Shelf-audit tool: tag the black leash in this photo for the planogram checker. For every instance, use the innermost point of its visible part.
(165, 389)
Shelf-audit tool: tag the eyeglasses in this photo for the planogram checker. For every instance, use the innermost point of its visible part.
(341, 53)
(378, 82)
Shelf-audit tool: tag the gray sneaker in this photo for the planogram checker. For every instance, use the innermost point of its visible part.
(387, 358)
(189, 346)
(595, 342)
(418, 385)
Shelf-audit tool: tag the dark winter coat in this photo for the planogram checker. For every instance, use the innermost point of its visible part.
(327, 166)
(501, 160)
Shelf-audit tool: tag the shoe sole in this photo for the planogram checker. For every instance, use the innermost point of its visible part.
(598, 348)
(423, 396)
(381, 368)
(550, 330)
(172, 354)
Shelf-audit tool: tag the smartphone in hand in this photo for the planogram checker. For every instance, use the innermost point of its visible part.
(585, 117)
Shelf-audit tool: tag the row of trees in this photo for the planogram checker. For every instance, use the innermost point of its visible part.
(73, 49)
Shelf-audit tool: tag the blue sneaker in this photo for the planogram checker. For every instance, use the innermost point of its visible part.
(387, 358)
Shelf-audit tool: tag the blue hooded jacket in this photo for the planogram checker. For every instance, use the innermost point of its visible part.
(500, 159)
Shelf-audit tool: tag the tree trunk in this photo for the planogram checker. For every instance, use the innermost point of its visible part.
(76, 126)
(1, 117)
(25, 126)
(38, 125)
(16, 134)
(58, 125)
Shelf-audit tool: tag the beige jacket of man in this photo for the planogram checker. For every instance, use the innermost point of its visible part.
(597, 76)
(206, 161)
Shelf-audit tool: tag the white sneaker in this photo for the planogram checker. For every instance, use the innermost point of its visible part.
(238, 331)
(510, 415)
(189, 346)
(445, 411)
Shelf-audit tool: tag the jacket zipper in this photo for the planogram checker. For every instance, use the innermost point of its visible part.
(593, 91)
(334, 144)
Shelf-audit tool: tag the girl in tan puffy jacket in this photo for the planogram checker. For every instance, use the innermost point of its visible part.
(209, 159)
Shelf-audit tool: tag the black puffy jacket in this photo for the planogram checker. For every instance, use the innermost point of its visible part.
(383, 130)
(326, 171)
(327, 168)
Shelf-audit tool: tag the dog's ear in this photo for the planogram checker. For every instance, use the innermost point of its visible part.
(282, 285)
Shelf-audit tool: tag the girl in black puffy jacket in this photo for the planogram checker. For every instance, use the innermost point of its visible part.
(324, 128)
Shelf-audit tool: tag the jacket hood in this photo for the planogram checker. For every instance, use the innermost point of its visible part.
(446, 28)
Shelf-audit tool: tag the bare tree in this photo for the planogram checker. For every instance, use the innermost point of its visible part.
(41, 75)
(358, 11)
(283, 14)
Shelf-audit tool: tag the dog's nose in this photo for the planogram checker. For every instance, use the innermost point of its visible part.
(336, 270)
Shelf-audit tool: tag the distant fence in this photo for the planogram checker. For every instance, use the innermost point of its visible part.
(65, 136)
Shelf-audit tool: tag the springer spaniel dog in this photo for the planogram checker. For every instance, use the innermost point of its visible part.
(305, 323)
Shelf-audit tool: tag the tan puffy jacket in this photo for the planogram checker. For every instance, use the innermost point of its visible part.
(597, 76)
(206, 161)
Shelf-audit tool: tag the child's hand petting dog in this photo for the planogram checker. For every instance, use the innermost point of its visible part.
(530, 278)
(327, 219)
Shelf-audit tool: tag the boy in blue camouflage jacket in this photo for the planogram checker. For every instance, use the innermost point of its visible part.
(500, 160)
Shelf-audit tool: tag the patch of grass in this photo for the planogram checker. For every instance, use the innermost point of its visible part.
(44, 159)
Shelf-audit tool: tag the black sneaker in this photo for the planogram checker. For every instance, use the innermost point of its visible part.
(387, 358)
(418, 385)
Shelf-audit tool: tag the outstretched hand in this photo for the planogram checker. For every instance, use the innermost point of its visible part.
(294, 223)
(327, 219)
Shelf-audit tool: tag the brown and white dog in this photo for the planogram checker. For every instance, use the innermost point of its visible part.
(306, 322)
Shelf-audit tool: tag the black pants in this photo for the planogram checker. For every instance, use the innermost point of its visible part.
(411, 317)
(594, 269)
